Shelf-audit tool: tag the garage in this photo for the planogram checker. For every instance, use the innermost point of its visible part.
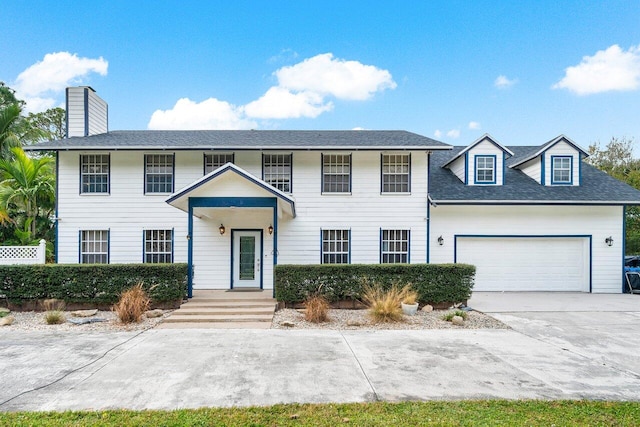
(527, 263)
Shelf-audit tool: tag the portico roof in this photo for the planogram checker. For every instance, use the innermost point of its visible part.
(231, 181)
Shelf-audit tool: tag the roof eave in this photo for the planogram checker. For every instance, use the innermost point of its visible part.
(232, 148)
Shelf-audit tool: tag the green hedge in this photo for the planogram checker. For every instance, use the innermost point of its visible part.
(435, 283)
(96, 283)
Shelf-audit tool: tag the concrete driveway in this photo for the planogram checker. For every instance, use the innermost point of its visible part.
(547, 355)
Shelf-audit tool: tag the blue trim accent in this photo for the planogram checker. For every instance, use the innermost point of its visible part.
(542, 171)
(624, 243)
(321, 173)
(66, 119)
(475, 169)
(553, 181)
(173, 245)
(226, 202)
(381, 174)
(466, 168)
(531, 236)
(579, 168)
(86, 112)
(321, 257)
(349, 234)
(261, 253)
(428, 206)
(79, 174)
(275, 248)
(261, 184)
(108, 245)
(57, 227)
(409, 246)
(529, 203)
(380, 252)
(79, 246)
(109, 173)
(504, 162)
(144, 245)
(190, 252)
(409, 189)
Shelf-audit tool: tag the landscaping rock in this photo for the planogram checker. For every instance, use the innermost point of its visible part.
(457, 320)
(354, 322)
(6, 321)
(427, 308)
(288, 324)
(84, 313)
(154, 313)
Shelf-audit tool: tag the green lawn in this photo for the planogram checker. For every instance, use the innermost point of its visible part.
(462, 413)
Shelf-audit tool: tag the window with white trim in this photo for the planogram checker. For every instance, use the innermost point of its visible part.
(94, 173)
(214, 161)
(94, 247)
(276, 171)
(158, 173)
(335, 247)
(336, 173)
(485, 169)
(394, 246)
(561, 169)
(396, 173)
(158, 246)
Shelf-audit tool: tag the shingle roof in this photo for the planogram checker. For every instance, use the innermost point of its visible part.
(245, 140)
(596, 187)
(484, 137)
(544, 147)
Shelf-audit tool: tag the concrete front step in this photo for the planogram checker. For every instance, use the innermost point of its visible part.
(224, 310)
(214, 325)
(179, 318)
(228, 305)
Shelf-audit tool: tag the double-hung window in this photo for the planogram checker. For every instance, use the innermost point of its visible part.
(335, 247)
(94, 247)
(336, 173)
(158, 173)
(94, 173)
(394, 246)
(214, 161)
(561, 169)
(276, 171)
(396, 173)
(158, 246)
(485, 169)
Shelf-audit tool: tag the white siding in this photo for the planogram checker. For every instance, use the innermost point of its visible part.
(96, 111)
(75, 111)
(457, 167)
(485, 148)
(126, 212)
(97, 114)
(562, 149)
(532, 168)
(599, 222)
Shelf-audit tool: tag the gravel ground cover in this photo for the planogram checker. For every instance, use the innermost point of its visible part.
(359, 319)
(34, 321)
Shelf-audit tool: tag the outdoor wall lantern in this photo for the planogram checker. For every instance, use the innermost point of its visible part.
(270, 229)
(609, 241)
(221, 229)
(440, 241)
(188, 236)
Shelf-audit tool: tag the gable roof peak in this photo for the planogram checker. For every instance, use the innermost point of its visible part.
(544, 147)
(485, 137)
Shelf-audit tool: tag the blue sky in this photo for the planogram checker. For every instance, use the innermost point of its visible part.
(523, 72)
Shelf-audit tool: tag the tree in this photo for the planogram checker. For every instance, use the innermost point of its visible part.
(49, 125)
(9, 117)
(28, 188)
(8, 97)
(617, 160)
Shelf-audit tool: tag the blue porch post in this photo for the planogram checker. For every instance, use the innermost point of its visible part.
(190, 253)
(275, 246)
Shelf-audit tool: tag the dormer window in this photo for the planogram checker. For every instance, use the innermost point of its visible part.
(485, 169)
(561, 170)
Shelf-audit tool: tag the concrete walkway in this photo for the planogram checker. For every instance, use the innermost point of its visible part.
(547, 355)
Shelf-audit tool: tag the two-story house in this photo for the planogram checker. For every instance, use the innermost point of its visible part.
(232, 204)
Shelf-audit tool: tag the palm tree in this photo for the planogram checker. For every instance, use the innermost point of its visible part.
(9, 117)
(28, 187)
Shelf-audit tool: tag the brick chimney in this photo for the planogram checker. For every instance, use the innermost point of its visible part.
(87, 113)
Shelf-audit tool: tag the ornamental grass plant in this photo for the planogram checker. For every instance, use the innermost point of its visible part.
(133, 303)
(316, 309)
(54, 314)
(384, 305)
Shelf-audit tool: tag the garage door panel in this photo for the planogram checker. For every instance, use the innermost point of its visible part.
(527, 263)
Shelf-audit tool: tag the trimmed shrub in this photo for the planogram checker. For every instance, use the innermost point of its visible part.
(434, 283)
(133, 303)
(95, 283)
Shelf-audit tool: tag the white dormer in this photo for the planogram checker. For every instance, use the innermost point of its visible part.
(481, 162)
(558, 162)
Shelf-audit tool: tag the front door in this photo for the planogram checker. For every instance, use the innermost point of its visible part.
(246, 264)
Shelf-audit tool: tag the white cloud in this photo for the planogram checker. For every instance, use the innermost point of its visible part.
(304, 89)
(358, 128)
(502, 82)
(326, 75)
(454, 133)
(208, 114)
(280, 103)
(474, 125)
(437, 133)
(607, 70)
(39, 84)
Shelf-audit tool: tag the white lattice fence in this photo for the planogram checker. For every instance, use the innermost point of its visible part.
(23, 254)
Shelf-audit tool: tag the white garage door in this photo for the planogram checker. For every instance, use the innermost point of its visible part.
(527, 263)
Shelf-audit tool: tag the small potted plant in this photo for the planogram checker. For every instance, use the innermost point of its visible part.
(409, 301)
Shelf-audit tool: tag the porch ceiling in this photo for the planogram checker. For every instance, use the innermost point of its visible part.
(229, 181)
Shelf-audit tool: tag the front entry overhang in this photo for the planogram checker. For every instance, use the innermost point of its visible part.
(229, 187)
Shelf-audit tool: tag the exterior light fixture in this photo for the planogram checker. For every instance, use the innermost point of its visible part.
(221, 229)
(270, 229)
(440, 241)
(609, 241)
(188, 236)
